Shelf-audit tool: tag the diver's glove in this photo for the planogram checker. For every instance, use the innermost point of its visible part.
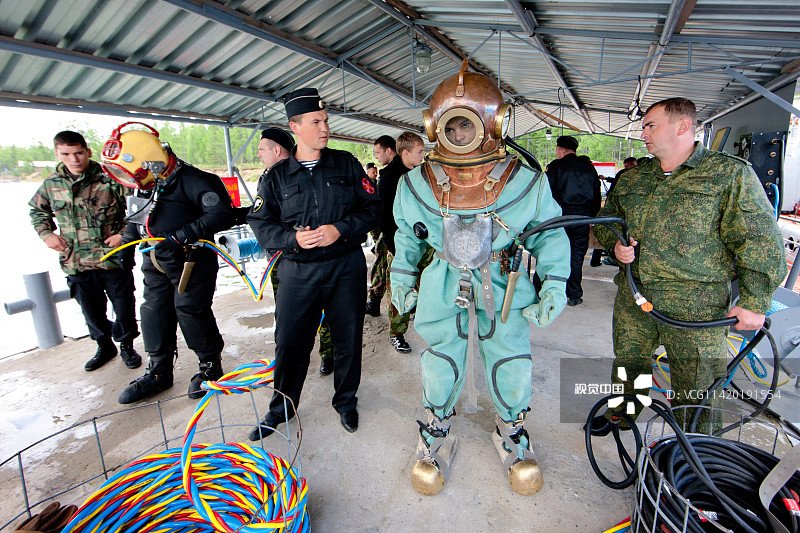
(404, 299)
(552, 301)
(174, 241)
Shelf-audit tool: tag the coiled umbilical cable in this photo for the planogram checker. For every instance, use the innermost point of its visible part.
(200, 487)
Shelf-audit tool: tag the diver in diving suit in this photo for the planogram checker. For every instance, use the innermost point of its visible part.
(469, 201)
(183, 205)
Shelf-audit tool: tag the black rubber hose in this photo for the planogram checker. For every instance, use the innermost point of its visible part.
(736, 468)
(529, 157)
(644, 305)
(764, 331)
(631, 476)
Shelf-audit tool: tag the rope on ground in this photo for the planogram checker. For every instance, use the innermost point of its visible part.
(200, 487)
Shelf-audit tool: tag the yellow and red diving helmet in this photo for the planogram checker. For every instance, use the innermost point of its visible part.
(135, 157)
(467, 120)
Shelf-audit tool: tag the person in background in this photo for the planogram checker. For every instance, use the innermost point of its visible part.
(410, 154)
(372, 171)
(80, 213)
(323, 266)
(385, 151)
(576, 188)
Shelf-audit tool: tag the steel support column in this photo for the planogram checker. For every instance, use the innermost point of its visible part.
(229, 158)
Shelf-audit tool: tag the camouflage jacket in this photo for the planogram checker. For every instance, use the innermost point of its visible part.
(86, 210)
(708, 222)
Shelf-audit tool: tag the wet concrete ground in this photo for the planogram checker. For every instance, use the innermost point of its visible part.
(357, 482)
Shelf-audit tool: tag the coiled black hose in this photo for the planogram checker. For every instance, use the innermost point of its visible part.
(720, 477)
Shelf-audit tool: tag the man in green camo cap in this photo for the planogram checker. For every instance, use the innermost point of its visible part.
(698, 219)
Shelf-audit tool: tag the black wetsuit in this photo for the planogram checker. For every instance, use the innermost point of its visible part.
(199, 201)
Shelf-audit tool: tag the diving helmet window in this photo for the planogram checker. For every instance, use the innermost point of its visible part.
(462, 132)
(503, 121)
(120, 174)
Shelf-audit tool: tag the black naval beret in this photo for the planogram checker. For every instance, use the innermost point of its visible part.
(568, 142)
(279, 136)
(302, 101)
(370, 165)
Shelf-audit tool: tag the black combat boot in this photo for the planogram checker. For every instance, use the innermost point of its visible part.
(106, 351)
(373, 308)
(129, 355)
(209, 371)
(156, 379)
(326, 365)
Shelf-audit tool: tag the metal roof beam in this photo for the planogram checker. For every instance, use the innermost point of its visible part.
(733, 40)
(676, 13)
(403, 13)
(9, 44)
(16, 46)
(769, 95)
(10, 99)
(406, 15)
(76, 106)
(528, 23)
(772, 86)
(318, 72)
(240, 22)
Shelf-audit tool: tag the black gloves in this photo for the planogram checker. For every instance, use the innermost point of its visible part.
(175, 241)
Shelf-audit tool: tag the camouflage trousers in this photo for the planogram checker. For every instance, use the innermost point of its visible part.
(697, 357)
(325, 343)
(379, 276)
(398, 323)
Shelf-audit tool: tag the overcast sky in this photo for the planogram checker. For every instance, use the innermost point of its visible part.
(25, 127)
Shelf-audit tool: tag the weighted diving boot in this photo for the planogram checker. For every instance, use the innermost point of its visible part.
(129, 355)
(156, 379)
(434, 455)
(516, 451)
(209, 371)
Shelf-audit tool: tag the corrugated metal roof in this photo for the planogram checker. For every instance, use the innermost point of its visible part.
(231, 61)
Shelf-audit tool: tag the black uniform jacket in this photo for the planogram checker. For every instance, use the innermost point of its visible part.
(191, 198)
(387, 187)
(336, 191)
(575, 185)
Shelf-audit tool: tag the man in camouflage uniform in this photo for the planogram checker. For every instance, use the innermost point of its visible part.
(276, 144)
(409, 153)
(698, 219)
(88, 209)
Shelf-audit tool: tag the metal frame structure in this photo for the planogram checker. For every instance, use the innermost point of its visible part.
(592, 66)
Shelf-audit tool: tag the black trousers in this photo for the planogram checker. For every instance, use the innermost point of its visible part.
(578, 244)
(164, 309)
(339, 287)
(93, 289)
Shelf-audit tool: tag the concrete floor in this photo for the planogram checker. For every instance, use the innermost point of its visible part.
(356, 482)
